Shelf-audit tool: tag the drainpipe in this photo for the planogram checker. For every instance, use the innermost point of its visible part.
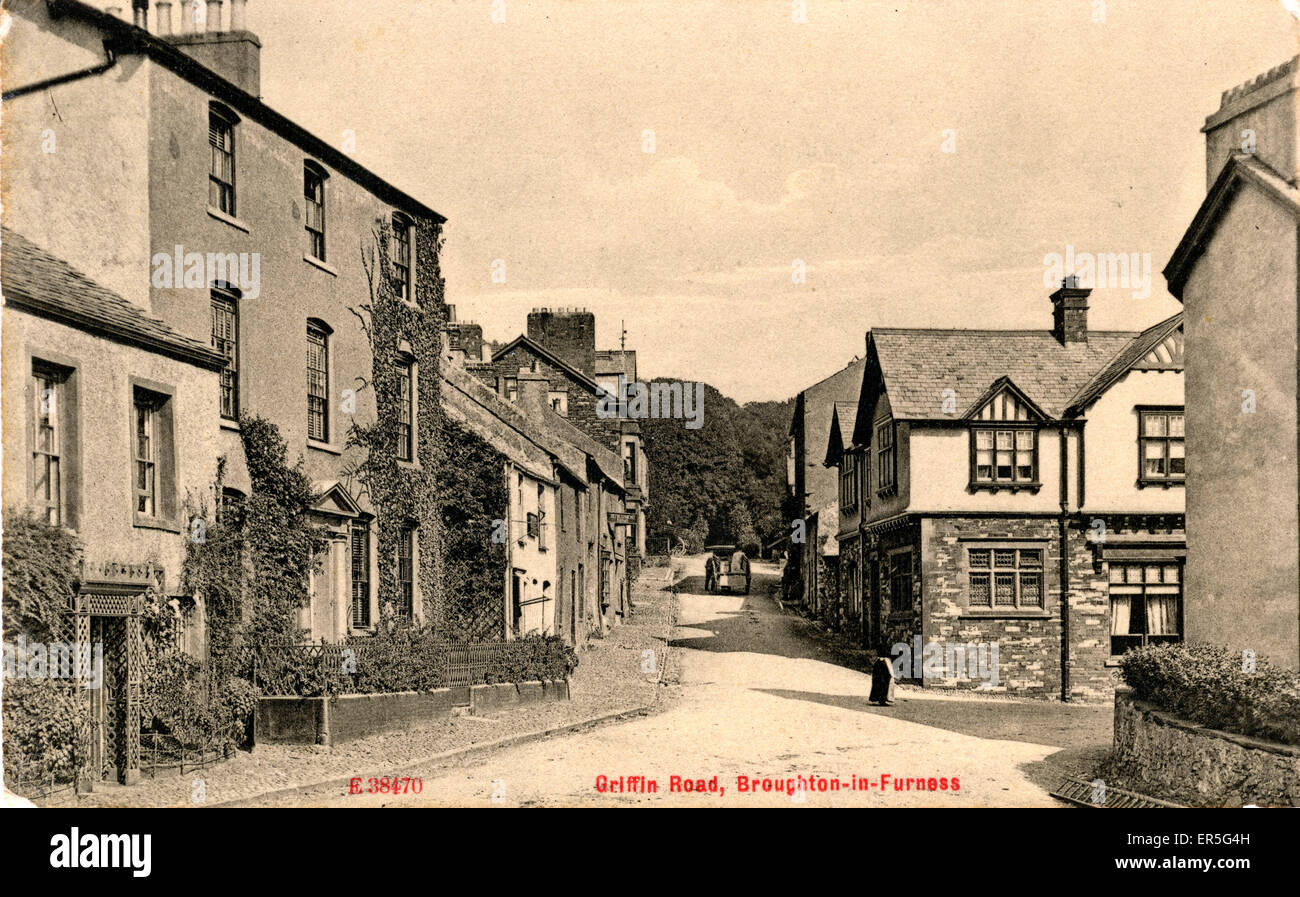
(510, 552)
(1064, 573)
(109, 51)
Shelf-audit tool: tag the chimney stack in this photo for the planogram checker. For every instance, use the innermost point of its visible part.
(570, 333)
(1257, 118)
(234, 54)
(1070, 312)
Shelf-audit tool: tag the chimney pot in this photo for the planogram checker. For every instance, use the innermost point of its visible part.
(238, 15)
(213, 21)
(164, 17)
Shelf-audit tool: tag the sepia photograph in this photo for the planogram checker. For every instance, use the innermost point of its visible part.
(784, 404)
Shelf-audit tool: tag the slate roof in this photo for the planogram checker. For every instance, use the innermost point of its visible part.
(501, 424)
(36, 281)
(1130, 355)
(918, 365)
(840, 436)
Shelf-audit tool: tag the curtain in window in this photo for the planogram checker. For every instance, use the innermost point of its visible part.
(1120, 607)
(1162, 614)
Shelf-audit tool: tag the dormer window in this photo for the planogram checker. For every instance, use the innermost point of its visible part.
(1005, 456)
(886, 458)
(1004, 442)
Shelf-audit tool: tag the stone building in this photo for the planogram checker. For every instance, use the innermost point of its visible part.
(1020, 490)
(564, 559)
(165, 178)
(561, 345)
(811, 489)
(1235, 270)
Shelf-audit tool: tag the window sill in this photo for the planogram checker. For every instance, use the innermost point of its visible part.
(1013, 488)
(974, 614)
(1160, 484)
(317, 263)
(228, 424)
(141, 521)
(410, 465)
(234, 222)
(328, 448)
(888, 490)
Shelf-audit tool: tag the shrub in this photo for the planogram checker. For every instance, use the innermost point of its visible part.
(44, 720)
(532, 658)
(41, 570)
(1206, 684)
(178, 700)
(398, 660)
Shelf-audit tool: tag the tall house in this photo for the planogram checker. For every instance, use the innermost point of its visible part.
(141, 153)
(1235, 271)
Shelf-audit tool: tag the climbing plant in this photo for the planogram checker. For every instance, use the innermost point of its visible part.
(45, 724)
(473, 503)
(404, 494)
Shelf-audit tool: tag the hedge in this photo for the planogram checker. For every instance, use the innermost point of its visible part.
(401, 660)
(1209, 685)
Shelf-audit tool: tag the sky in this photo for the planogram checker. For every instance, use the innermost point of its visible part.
(670, 166)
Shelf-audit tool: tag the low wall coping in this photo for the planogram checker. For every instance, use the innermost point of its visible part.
(1165, 718)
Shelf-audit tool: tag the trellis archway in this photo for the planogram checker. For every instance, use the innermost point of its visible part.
(107, 612)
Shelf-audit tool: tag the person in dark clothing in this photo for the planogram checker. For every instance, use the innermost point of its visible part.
(882, 678)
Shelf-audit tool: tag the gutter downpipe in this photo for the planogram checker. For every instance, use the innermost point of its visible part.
(1064, 571)
(110, 50)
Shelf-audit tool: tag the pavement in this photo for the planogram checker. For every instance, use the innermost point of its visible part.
(756, 701)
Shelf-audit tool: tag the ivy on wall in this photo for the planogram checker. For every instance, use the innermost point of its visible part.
(474, 497)
(251, 562)
(45, 724)
(404, 493)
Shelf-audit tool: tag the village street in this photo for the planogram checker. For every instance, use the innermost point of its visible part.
(758, 698)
